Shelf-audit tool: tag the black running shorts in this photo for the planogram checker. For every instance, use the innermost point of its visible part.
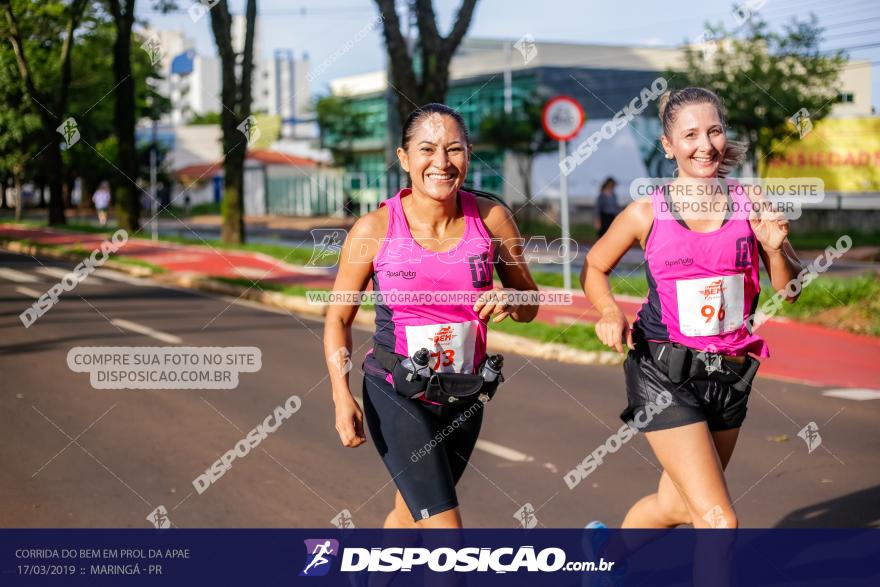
(694, 400)
(426, 453)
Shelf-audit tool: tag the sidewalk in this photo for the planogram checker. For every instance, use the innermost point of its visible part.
(803, 353)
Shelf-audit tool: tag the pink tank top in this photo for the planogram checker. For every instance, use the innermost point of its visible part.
(702, 286)
(448, 327)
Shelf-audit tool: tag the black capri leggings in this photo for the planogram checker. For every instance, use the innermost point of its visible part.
(425, 452)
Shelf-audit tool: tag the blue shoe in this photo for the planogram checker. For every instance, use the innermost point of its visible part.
(593, 543)
(594, 549)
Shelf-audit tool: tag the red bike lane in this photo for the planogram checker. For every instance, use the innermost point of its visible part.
(800, 352)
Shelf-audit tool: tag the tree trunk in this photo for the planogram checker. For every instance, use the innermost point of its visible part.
(54, 179)
(57, 97)
(435, 50)
(16, 179)
(87, 186)
(235, 94)
(524, 162)
(232, 205)
(127, 191)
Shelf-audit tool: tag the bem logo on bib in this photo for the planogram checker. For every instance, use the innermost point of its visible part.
(445, 334)
(714, 288)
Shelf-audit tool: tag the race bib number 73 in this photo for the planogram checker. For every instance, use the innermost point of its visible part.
(451, 345)
(710, 305)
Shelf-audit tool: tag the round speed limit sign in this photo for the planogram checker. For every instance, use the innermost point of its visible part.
(562, 118)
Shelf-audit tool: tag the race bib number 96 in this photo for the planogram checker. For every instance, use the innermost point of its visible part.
(710, 305)
(451, 345)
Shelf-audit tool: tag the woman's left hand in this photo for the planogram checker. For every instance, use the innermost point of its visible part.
(495, 303)
(769, 225)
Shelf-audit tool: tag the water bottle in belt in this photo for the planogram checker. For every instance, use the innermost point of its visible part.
(492, 368)
(417, 364)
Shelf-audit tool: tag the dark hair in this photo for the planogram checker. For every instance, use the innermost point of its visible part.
(608, 181)
(674, 100)
(425, 111)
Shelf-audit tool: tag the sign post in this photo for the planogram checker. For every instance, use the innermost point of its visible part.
(563, 119)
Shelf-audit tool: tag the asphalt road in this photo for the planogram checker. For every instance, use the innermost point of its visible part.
(74, 456)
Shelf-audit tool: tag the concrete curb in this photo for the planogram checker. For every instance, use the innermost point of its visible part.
(497, 341)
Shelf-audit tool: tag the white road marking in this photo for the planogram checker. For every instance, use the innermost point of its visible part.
(146, 331)
(26, 291)
(503, 452)
(859, 395)
(59, 273)
(17, 276)
(121, 277)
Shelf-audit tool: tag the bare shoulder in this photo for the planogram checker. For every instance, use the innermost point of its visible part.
(371, 225)
(497, 218)
(639, 214)
(366, 235)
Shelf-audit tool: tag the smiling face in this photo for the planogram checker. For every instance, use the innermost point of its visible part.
(697, 140)
(436, 156)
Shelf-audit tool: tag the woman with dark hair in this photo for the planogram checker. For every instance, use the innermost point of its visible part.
(607, 207)
(689, 369)
(432, 238)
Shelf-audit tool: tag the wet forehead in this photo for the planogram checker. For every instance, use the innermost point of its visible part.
(438, 129)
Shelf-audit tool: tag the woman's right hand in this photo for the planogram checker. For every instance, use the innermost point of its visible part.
(350, 422)
(613, 328)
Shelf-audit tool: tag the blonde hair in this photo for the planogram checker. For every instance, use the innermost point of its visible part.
(672, 101)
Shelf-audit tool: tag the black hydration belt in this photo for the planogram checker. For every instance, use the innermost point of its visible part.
(440, 388)
(386, 358)
(680, 363)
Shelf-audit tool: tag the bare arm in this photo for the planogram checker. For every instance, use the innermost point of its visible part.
(771, 229)
(355, 271)
(631, 226)
(512, 267)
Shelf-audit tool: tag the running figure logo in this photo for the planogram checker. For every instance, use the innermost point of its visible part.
(326, 245)
(250, 129)
(319, 554)
(526, 516)
(70, 131)
(159, 518)
(810, 434)
(711, 358)
(343, 520)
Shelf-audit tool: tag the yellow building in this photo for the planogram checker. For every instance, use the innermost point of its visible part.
(843, 152)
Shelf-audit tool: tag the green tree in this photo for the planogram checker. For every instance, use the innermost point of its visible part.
(421, 76)
(341, 126)
(44, 68)
(22, 130)
(764, 78)
(522, 133)
(235, 117)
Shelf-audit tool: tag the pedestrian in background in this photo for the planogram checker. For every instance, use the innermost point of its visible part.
(606, 206)
(101, 198)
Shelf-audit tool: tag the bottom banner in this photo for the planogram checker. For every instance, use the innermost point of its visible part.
(439, 557)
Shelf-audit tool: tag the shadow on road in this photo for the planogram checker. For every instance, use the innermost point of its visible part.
(856, 510)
